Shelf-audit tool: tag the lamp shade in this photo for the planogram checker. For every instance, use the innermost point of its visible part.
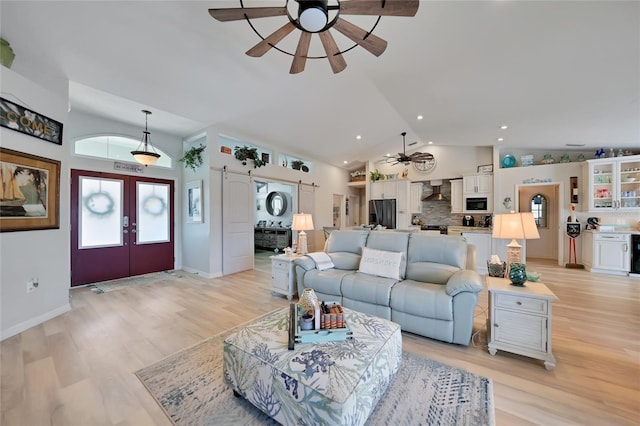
(515, 226)
(302, 222)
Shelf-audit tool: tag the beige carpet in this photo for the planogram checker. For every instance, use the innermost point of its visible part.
(189, 387)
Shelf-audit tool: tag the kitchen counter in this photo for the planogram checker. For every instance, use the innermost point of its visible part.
(458, 230)
(615, 231)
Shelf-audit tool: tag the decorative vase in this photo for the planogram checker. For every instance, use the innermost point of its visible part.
(517, 274)
(309, 299)
(6, 53)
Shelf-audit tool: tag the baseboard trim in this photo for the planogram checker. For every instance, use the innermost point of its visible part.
(200, 273)
(25, 325)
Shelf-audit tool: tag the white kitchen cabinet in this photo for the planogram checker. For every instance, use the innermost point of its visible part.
(478, 184)
(482, 241)
(456, 196)
(384, 189)
(416, 198)
(520, 319)
(403, 204)
(606, 252)
(612, 184)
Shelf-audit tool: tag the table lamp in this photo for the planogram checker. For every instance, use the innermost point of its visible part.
(515, 226)
(302, 222)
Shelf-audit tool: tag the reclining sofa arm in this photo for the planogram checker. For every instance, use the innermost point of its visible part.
(302, 265)
(464, 280)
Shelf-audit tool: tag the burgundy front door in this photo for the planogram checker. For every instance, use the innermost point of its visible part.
(120, 226)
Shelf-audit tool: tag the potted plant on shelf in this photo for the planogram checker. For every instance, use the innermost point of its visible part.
(245, 153)
(297, 164)
(192, 158)
(376, 175)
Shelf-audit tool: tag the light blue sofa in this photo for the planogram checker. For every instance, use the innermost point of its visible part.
(435, 295)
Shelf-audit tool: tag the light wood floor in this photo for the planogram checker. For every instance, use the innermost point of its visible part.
(77, 369)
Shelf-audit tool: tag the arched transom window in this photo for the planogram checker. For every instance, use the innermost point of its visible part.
(115, 148)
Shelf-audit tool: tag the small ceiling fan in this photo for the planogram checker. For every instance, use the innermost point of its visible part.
(319, 16)
(423, 161)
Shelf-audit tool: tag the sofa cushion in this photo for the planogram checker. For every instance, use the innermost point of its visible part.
(380, 263)
(422, 299)
(345, 260)
(368, 288)
(430, 272)
(346, 241)
(390, 241)
(327, 281)
(446, 249)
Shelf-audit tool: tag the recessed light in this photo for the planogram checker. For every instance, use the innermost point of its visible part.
(430, 142)
(345, 162)
(420, 117)
(387, 155)
(504, 127)
(358, 137)
(500, 139)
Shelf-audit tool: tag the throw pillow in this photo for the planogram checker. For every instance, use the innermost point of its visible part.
(381, 263)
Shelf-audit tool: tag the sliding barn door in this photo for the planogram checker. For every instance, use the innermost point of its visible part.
(237, 222)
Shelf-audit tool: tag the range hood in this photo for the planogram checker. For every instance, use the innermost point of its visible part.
(436, 196)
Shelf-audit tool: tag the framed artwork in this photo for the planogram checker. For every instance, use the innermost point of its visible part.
(20, 119)
(29, 193)
(485, 168)
(194, 202)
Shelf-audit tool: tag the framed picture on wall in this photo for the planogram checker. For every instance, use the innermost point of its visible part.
(29, 193)
(194, 202)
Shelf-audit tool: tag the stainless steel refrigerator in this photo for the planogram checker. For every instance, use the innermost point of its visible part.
(383, 212)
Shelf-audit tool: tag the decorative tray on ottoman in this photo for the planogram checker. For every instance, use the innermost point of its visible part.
(334, 327)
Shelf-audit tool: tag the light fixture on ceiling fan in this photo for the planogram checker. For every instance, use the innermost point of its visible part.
(423, 161)
(145, 155)
(318, 16)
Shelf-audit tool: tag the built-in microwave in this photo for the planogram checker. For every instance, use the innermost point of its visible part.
(476, 204)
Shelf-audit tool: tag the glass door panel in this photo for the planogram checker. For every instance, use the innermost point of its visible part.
(101, 212)
(152, 204)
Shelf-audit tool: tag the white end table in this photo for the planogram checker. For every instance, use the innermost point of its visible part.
(520, 319)
(283, 277)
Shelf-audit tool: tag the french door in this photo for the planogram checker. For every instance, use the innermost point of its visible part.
(120, 226)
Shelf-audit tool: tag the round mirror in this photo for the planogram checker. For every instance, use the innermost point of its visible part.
(276, 203)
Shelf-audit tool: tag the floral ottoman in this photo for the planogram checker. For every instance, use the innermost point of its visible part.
(316, 383)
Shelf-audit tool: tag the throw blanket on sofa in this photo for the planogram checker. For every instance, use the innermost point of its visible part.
(322, 259)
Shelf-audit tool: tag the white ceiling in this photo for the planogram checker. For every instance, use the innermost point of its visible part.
(556, 72)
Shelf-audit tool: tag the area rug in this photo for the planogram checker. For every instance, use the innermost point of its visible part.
(189, 387)
(120, 283)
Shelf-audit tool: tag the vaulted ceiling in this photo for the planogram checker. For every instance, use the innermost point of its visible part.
(555, 72)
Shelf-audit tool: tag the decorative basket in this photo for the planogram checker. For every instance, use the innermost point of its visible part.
(497, 269)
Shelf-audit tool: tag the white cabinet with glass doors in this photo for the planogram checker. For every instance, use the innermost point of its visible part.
(613, 184)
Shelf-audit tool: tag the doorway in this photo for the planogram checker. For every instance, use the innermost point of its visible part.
(543, 202)
(121, 226)
(352, 210)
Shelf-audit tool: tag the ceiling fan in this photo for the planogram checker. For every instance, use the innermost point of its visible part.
(319, 16)
(422, 161)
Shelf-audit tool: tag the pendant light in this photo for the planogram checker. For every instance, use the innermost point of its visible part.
(145, 156)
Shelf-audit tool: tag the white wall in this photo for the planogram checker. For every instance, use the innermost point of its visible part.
(83, 125)
(35, 254)
(506, 180)
(329, 180)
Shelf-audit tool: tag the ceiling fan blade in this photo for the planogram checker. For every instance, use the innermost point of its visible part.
(379, 7)
(336, 60)
(237, 14)
(371, 43)
(300, 58)
(273, 39)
